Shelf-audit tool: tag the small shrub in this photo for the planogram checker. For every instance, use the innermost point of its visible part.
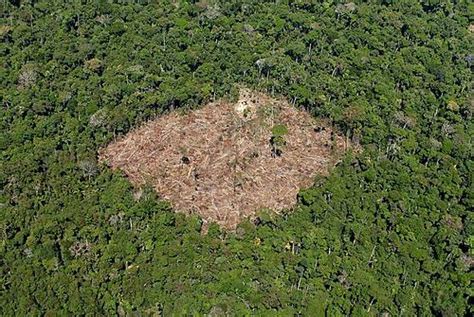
(277, 140)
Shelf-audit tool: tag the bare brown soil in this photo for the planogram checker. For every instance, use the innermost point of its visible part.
(217, 161)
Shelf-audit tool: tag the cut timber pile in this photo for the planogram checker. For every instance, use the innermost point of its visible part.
(217, 161)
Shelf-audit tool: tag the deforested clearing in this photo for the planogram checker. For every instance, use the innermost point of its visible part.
(226, 161)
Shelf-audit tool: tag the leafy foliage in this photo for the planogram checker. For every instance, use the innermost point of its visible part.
(389, 231)
(279, 130)
(277, 140)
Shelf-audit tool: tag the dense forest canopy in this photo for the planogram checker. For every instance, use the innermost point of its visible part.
(389, 232)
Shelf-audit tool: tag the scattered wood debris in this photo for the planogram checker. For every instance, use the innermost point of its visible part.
(217, 161)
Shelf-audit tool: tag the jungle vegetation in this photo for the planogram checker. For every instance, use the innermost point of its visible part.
(388, 233)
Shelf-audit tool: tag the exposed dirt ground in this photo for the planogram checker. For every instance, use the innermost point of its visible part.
(219, 161)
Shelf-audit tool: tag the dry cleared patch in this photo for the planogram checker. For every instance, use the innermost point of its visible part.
(226, 161)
